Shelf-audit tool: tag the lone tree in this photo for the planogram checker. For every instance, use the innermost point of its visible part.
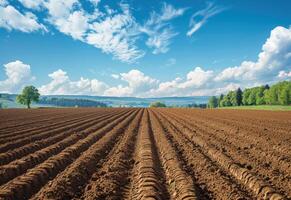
(29, 94)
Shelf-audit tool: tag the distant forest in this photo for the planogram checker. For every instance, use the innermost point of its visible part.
(67, 102)
(277, 94)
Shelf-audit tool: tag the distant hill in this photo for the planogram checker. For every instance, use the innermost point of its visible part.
(9, 100)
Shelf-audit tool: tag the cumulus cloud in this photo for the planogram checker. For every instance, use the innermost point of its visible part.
(197, 78)
(11, 18)
(18, 74)
(159, 30)
(273, 58)
(115, 76)
(61, 84)
(284, 75)
(194, 80)
(137, 84)
(199, 18)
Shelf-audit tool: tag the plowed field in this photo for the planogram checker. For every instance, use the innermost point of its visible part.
(131, 153)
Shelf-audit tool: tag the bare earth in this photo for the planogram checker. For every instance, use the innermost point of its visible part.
(130, 153)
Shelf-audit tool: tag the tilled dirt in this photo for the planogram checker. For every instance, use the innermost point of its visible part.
(132, 153)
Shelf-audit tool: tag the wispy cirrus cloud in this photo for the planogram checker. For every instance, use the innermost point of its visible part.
(116, 34)
(199, 18)
(112, 31)
(159, 30)
(115, 31)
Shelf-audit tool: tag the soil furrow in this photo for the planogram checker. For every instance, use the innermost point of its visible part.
(50, 124)
(149, 153)
(20, 142)
(250, 180)
(148, 179)
(27, 184)
(40, 119)
(180, 184)
(251, 158)
(71, 182)
(110, 178)
(18, 167)
(209, 176)
(14, 154)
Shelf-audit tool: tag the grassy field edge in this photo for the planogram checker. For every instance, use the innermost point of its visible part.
(260, 107)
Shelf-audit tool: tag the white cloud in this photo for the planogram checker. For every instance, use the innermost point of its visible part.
(273, 58)
(169, 12)
(199, 18)
(66, 19)
(284, 75)
(137, 84)
(11, 18)
(115, 76)
(75, 25)
(171, 61)
(111, 31)
(17, 74)
(95, 2)
(116, 35)
(32, 4)
(195, 80)
(61, 84)
(160, 41)
(3, 2)
(159, 30)
(60, 8)
(167, 88)
(114, 31)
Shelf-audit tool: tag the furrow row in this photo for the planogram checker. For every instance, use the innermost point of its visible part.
(24, 186)
(180, 184)
(18, 167)
(259, 134)
(31, 121)
(147, 178)
(70, 183)
(111, 177)
(25, 132)
(23, 141)
(210, 178)
(250, 180)
(29, 148)
(255, 161)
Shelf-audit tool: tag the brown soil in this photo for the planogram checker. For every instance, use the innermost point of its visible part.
(128, 153)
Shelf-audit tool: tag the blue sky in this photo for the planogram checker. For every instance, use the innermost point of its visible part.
(143, 48)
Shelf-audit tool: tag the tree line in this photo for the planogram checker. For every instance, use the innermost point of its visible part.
(68, 102)
(277, 94)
